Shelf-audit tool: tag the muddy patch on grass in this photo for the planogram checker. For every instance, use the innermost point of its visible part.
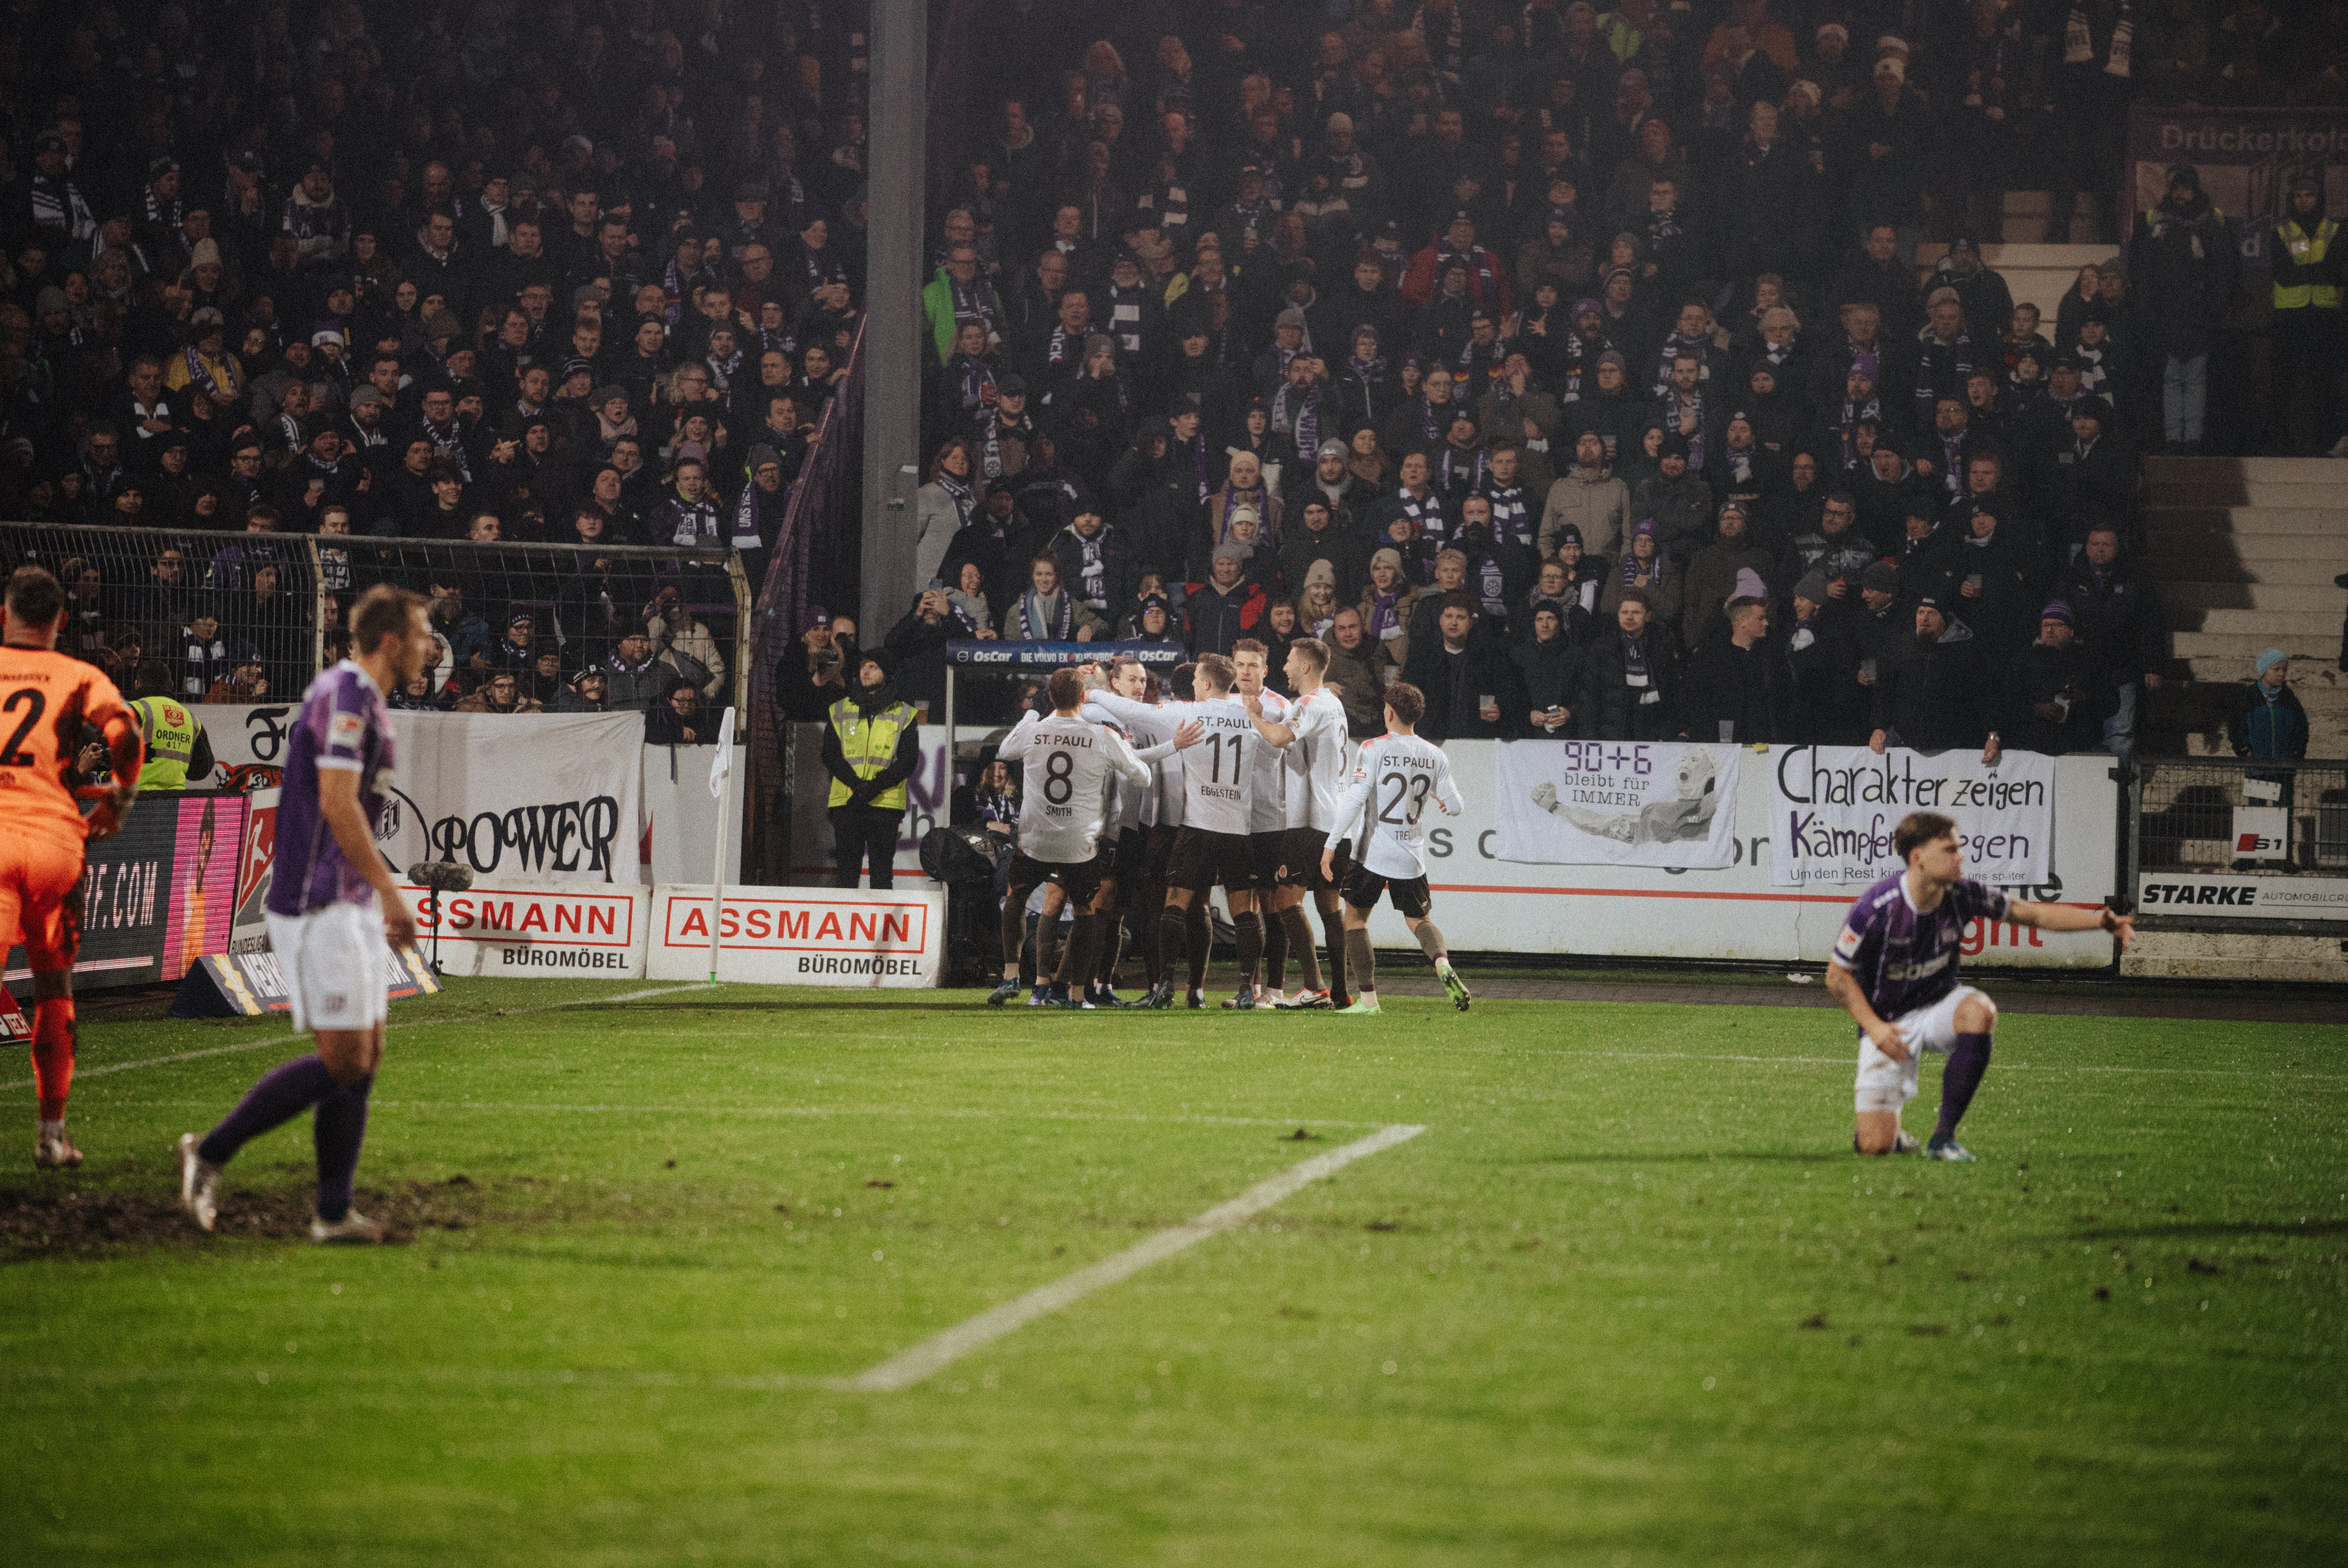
(60, 1220)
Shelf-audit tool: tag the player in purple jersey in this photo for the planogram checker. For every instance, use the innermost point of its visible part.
(1895, 971)
(332, 903)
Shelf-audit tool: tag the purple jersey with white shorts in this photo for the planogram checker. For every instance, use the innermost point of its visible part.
(344, 724)
(1907, 958)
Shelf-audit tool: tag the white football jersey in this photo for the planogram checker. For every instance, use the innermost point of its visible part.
(1268, 786)
(1067, 766)
(1153, 728)
(1218, 772)
(1318, 760)
(1394, 776)
(1136, 807)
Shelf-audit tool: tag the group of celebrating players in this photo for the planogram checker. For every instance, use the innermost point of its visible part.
(1131, 805)
(1138, 808)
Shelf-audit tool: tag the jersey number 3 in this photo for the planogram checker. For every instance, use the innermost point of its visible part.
(14, 754)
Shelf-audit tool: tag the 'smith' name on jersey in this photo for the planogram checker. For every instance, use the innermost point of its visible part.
(1906, 958)
(1394, 777)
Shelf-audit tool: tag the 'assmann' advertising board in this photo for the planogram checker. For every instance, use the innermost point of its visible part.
(537, 929)
(801, 935)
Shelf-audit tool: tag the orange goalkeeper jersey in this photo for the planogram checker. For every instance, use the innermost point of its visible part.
(46, 698)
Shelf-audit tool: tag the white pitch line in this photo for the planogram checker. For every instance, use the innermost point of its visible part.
(932, 1355)
(419, 1023)
(706, 1113)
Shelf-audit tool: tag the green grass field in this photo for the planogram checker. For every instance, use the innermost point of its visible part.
(1627, 1300)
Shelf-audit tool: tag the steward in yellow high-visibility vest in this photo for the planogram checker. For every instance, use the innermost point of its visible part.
(176, 748)
(871, 747)
(2308, 260)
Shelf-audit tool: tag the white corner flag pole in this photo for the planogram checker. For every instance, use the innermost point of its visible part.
(721, 785)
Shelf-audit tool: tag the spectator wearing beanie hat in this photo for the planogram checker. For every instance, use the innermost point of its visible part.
(2059, 691)
(1678, 500)
(2267, 720)
(1932, 692)
(1822, 643)
(1715, 570)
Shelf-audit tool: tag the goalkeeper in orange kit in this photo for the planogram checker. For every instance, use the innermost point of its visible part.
(45, 700)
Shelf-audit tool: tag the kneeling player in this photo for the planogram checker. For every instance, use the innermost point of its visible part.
(1392, 779)
(332, 903)
(1895, 971)
(46, 699)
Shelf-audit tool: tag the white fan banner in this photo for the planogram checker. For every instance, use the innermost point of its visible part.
(1670, 804)
(508, 794)
(1833, 811)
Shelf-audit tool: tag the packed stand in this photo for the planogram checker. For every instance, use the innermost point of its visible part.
(404, 279)
(1571, 366)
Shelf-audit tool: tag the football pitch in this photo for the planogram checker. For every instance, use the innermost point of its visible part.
(705, 1276)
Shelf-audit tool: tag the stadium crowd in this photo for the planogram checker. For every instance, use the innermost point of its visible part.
(1569, 362)
(1570, 365)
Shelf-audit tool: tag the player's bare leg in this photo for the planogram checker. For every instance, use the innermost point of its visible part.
(1049, 944)
(1288, 917)
(1332, 906)
(1248, 923)
(53, 1065)
(1275, 946)
(1183, 927)
(1361, 960)
(1430, 942)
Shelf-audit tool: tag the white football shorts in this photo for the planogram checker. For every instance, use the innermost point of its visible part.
(1887, 1085)
(332, 960)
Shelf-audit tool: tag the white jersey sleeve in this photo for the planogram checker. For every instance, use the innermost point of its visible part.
(1268, 784)
(1398, 775)
(1151, 731)
(1319, 759)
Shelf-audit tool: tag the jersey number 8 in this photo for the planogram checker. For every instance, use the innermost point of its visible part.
(1057, 785)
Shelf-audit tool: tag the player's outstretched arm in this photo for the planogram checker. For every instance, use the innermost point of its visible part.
(1274, 733)
(338, 803)
(2063, 918)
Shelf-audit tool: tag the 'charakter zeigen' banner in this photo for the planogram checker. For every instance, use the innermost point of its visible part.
(1617, 802)
(2246, 158)
(1833, 811)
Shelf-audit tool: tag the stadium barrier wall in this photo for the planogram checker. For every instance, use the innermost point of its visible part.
(526, 796)
(1493, 906)
(536, 930)
(159, 895)
(1485, 904)
(801, 937)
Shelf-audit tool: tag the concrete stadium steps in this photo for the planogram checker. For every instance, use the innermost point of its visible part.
(2245, 550)
(2189, 955)
(2028, 222)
